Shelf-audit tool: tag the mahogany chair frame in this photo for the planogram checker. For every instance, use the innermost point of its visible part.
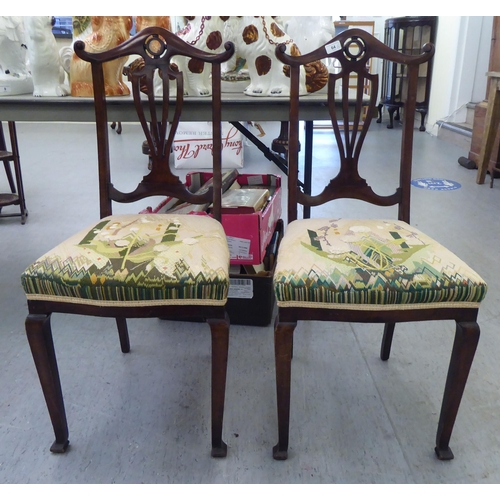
(159, 121)
(353, 48)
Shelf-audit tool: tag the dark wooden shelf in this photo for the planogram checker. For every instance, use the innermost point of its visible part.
(8, 199)
(6, 156)
(16, 197)
(407, 35)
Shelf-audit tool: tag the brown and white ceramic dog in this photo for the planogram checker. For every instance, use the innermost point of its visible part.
(107, 32)
(205, 33)
(255, 39)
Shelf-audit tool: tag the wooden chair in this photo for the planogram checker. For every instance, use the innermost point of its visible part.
(364, 270)
(139, 265)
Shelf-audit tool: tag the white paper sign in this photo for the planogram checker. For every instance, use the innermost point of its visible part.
(239, 248)
(333, 47)
(193, 146)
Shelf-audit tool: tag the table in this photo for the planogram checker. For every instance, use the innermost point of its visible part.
(236, 107)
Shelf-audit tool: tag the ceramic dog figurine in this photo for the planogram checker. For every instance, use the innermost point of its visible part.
(310, 32)
(107, 32)
(205, 33)
(45, 64)
(142, 22)
(255, 39)
(14, 76)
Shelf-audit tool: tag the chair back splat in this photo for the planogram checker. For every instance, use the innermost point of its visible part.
(140, 265)
(366, 270)
(353, 49)
(159, 117)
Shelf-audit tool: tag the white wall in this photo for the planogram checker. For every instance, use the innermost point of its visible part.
(460, 63)
(378, 20)
(479, 90)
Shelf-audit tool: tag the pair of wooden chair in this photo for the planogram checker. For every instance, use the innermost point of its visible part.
(332, 269)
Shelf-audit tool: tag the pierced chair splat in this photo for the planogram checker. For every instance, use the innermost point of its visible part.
(139, 265)
(367, 270)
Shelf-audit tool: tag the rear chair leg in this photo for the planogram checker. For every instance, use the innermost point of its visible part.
(121, 323)
(385, 349)
(464, 348)
(40, 340)
(220, 346)
(283, 345)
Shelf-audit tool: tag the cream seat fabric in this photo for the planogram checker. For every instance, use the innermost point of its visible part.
(156, 259)
(369, 264)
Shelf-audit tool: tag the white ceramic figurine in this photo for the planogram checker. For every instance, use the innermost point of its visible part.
(44, 61)
(14, 76)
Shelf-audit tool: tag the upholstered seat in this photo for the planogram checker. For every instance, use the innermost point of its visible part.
(157, 259)
(368, 264)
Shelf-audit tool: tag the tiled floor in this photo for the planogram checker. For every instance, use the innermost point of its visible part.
(144, 417)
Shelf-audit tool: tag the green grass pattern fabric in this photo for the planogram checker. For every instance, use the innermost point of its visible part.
(363, 264)
(145, 259)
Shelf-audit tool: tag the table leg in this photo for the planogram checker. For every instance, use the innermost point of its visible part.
(491, 124)
(270, 155)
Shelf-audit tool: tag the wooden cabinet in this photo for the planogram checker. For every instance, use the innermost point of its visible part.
(407, 35)
(480, 109)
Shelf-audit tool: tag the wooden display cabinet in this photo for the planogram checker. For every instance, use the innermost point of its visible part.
(480, 109)
(407, 35)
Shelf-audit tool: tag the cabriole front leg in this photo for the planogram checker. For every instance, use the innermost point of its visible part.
(464, 348)
(40, 340)
(283, 343)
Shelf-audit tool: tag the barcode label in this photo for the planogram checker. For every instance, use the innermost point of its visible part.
(240, 288)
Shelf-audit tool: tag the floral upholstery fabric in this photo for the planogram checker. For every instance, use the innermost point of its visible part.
(150, 259)
(368, 264)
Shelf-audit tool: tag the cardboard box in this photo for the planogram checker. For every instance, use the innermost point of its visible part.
(248, 235)
(251, 298)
